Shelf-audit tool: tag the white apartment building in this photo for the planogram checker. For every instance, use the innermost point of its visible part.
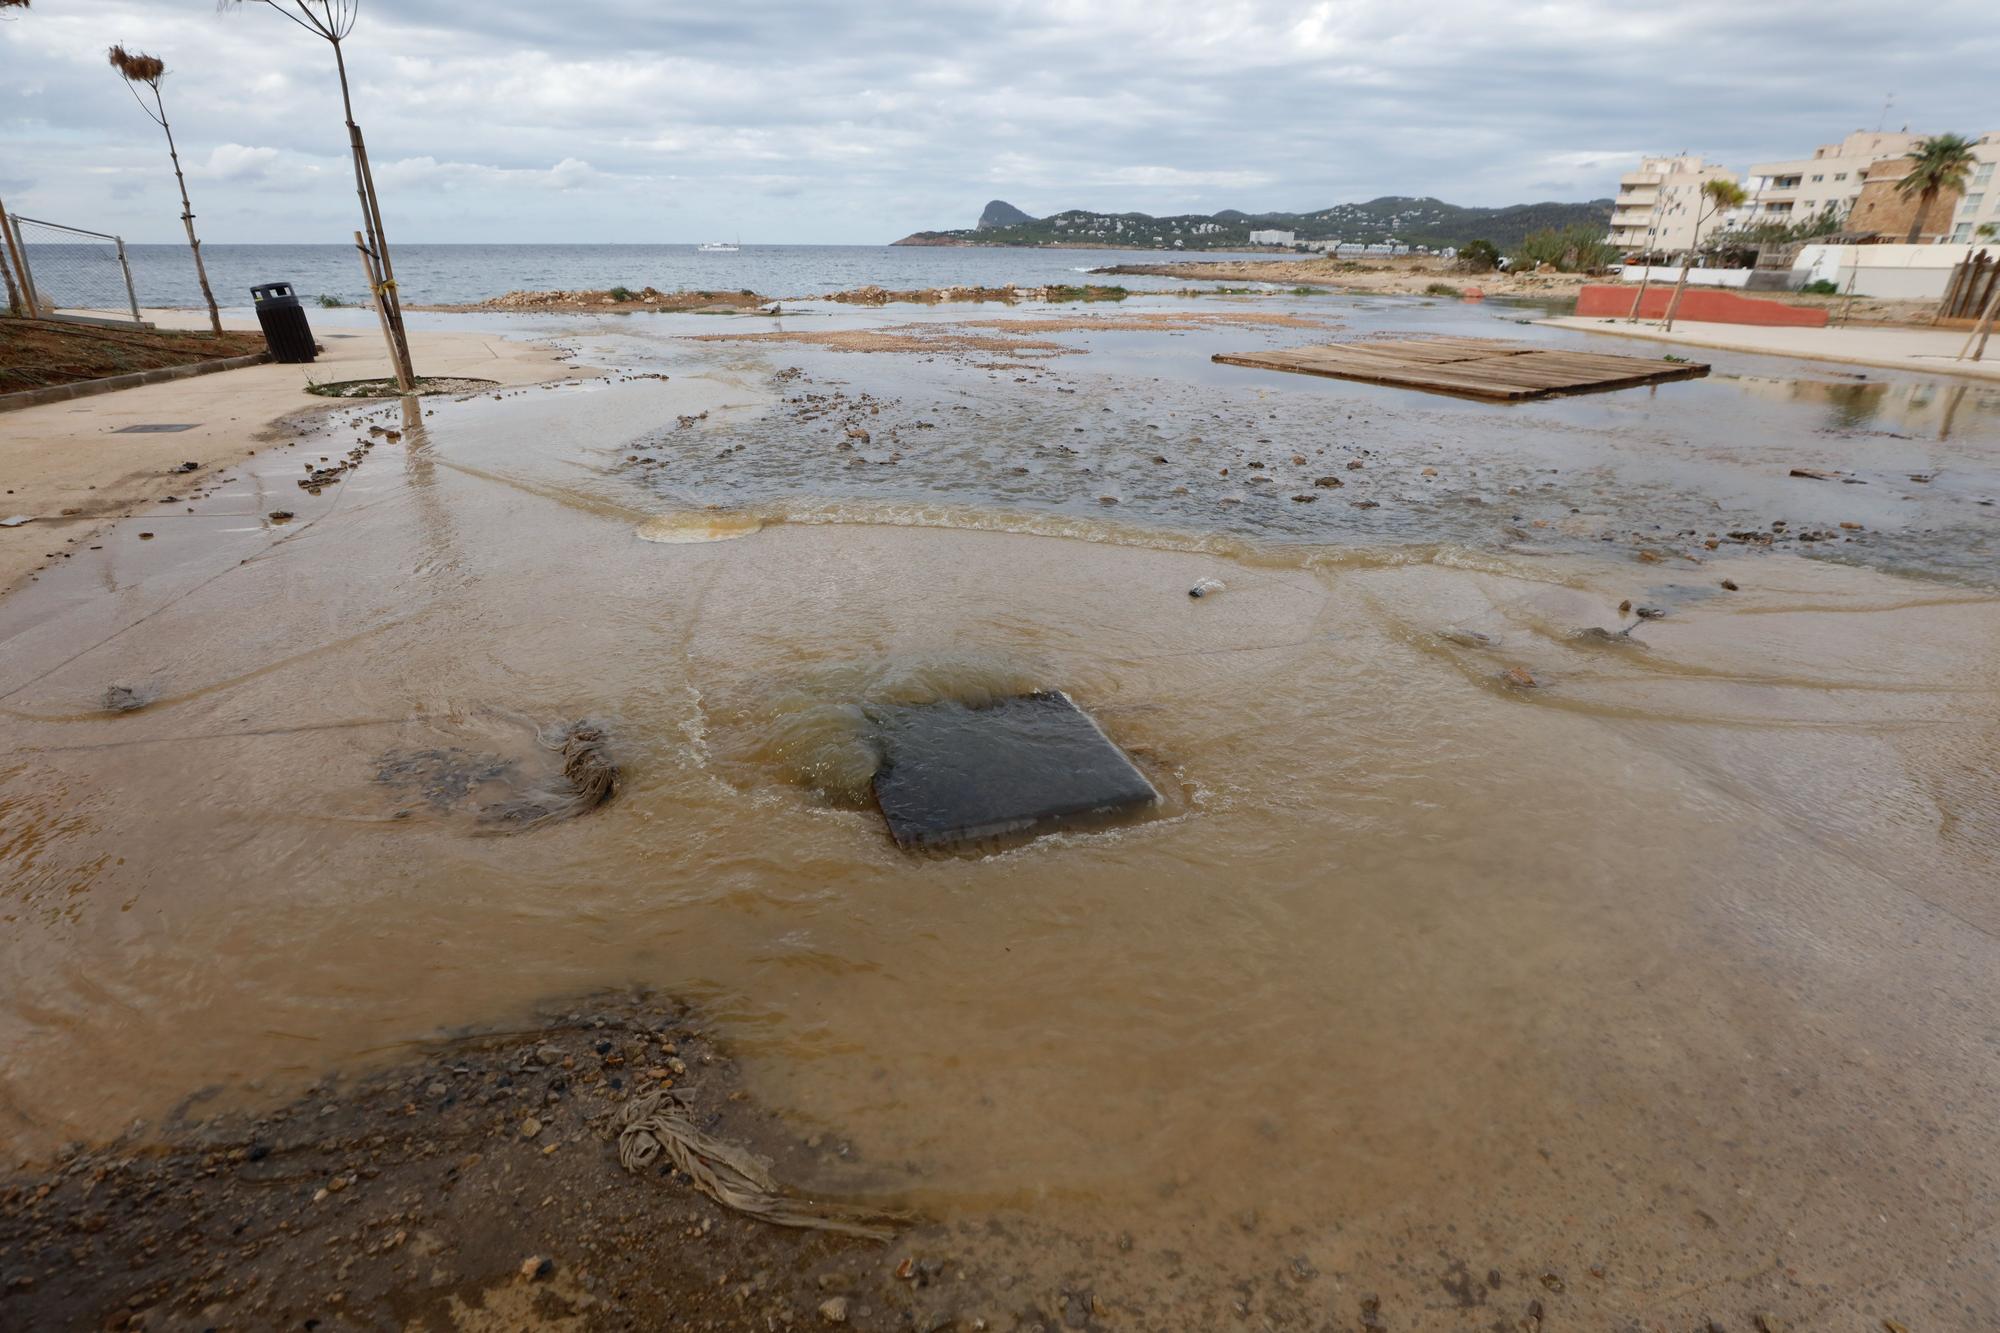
(1981, 204)
(1803, 188)
(1659, 207)
(1272, 237)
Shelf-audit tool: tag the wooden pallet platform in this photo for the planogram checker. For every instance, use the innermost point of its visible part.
(1486, 368)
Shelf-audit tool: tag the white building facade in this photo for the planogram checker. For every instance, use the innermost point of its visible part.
(1659, 209)
(1800, 189)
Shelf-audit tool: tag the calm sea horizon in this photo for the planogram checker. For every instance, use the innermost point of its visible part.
(163, 274)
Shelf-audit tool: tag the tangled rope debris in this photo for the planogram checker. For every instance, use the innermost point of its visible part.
(657, 1125)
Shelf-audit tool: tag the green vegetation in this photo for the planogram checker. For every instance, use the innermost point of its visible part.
(1416, 222)
(1821, 287)
(1943, 163)
(330, 302)
(1824, 223)
(1576, 249)
(1479, 256)
(622, 294)
(1442, 289)
(1308, 291)
(1086, 293)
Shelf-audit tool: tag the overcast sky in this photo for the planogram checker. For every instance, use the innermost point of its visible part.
(858, 121)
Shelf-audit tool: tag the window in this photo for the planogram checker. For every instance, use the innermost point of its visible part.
(1818, 179)
(1840, 175)
(1962, 232)
(1972, 203)
(1984, 175)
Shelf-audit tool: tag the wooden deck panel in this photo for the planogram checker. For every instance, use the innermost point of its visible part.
(1485, 368)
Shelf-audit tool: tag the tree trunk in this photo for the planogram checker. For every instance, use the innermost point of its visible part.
(1976, 343)
(14, 306)
(19, 263)
(1917, 223)
(377, 246)
(187, 219)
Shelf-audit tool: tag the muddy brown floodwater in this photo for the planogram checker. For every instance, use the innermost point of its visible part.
(1476, 972)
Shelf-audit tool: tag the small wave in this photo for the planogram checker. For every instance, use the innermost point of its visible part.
(698, 527)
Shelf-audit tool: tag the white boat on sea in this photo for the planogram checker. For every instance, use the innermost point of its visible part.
(718, 248)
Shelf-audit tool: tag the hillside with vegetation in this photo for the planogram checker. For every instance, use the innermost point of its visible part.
(1414, 222)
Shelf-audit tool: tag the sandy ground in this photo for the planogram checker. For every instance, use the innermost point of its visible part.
(67, 468)
(1644, 988)
(1929, 351)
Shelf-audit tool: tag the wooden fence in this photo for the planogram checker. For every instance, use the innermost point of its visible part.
(1971, 286)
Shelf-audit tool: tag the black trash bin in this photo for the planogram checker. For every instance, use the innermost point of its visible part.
(286, 332)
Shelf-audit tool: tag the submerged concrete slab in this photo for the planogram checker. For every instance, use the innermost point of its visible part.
(954, 774)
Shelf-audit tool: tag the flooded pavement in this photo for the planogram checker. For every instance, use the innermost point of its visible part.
(1477, 970)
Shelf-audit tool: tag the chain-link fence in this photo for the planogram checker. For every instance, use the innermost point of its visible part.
(72, 272)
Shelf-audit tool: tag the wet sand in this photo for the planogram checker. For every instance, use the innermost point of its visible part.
(68, 469)
(1650, 992)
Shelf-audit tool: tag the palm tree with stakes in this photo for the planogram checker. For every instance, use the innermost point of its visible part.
(143, 71)
(1717, 197)
(1943, 161)
(331, 21)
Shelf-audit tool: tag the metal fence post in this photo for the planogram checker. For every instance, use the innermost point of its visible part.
(130, 295)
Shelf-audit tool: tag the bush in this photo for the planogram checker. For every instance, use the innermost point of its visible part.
(622, 294)
(1478, 257)
(330, 302)
(1578, 249)
(1442, 289)
(1821, 287)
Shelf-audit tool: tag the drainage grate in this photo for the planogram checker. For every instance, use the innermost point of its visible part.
(1026, 765)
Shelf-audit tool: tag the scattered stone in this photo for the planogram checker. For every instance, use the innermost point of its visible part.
(1203, 587)
(1521, 677)
(1649, 613)
(536, 1267)
(1729, 585)
(1328, 482)
(834, 1309)
(280, 515)
(530, 1127)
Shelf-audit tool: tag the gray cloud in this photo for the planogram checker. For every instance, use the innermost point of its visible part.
(783, 120)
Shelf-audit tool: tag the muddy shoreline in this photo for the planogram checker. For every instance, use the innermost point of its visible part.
(472, 1183)
(1570, 910)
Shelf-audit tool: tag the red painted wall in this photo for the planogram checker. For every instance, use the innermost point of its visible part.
(1700, 305)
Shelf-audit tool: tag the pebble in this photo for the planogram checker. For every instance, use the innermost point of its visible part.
(834, 1309)
(530, 1127)
(536, 1267)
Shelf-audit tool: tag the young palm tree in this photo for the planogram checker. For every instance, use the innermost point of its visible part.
(1943, 162)
(331, 21)
(140, 70)
(1717, 197)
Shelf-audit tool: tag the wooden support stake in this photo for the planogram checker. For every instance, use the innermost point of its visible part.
(373, 275)
(20, 258)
